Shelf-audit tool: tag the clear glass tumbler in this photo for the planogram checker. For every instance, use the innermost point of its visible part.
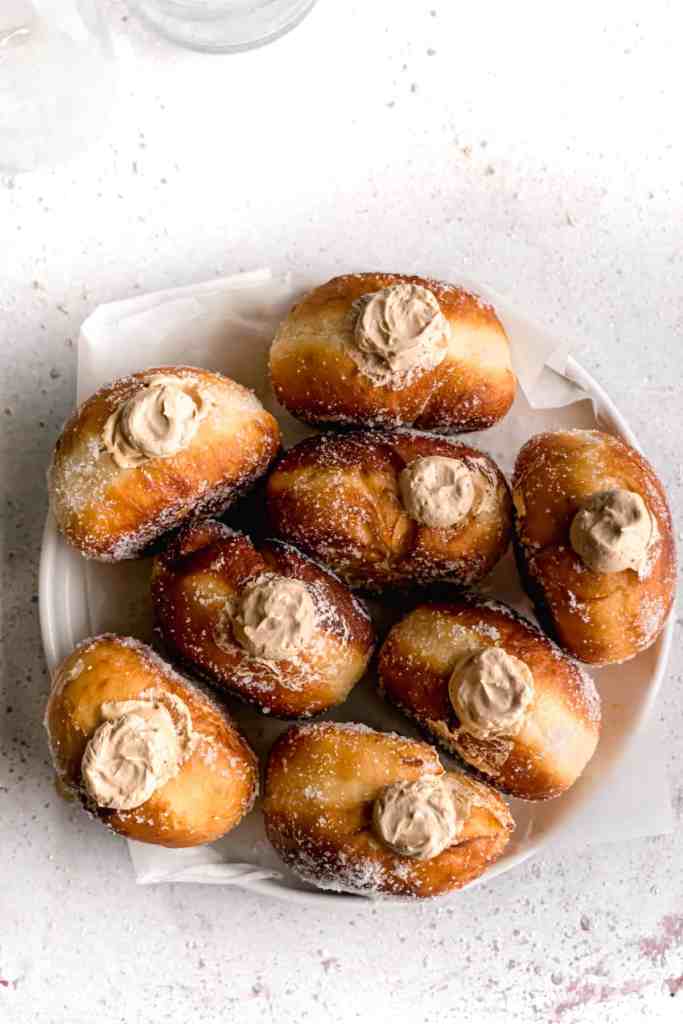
(56, 80)
(222, 26)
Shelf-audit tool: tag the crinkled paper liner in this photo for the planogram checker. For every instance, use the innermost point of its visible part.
(227, 325)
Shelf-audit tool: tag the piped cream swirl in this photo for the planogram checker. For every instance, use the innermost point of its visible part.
(156, 422)
(136, 750)
(399, 333)
(613, 531)
(437, 491)
(418, 819)
(490, 691)
(275, 617)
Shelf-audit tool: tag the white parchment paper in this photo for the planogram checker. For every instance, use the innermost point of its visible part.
(227, 325)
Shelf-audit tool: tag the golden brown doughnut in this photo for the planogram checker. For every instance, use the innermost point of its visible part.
(215, 785)
(556, 733)
(111, 512)
(197, 584)
(338, 497)
(598, 617)
(322, 783)
(317, 380)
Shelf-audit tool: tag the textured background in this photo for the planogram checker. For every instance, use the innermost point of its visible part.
(541, 145)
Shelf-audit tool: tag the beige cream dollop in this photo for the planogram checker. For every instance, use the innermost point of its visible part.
(490, 691)
(156, 422)
(437, 491)
(417, 819)
(399, 333)
(613, 531)
(275, 617)
(136, 750)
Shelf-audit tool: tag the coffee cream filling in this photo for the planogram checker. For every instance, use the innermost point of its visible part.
(490, 691)
(399, 333)
(156, 422)
(419, 819)
(437, 491)
(139, 746)
(274, 618)
(612, 531)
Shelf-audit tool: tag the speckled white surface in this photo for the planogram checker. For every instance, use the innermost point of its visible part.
(541, 142)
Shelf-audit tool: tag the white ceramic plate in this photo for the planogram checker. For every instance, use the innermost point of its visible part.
(72, 595)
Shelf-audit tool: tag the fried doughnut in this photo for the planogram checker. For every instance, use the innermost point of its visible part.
(395, 508)
(145, 750)
(386, 350)
(148, 452)
(489, 687)
(594, 543)
(269, 625)
(372, 813)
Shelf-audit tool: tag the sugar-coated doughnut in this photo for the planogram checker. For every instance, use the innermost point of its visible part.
(386, 350)
(145, 750)
(268, 625)
(375, 814)
(594, 543)
(392, 508)
(151, 451)
(490, 688)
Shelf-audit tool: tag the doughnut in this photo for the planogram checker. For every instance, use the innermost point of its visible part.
(152, 451)
(392, 509)
(385, 350)
(145, 750)
(268, 625)
(594, 543)
(353, 810)
(492, 690)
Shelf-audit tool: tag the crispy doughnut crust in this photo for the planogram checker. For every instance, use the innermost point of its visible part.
(317, 381)
(558, 737)
(599, 618)
(110, 513)
(321, 782)
(209, 564)
(337, 497)
(214, 788)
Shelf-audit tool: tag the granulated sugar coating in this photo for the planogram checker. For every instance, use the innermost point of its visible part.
(338, 496)
(113, 513)
(217, 761)
(321, 783)
(458, 381)
(598, 617)
(554, 740)
(197, 587)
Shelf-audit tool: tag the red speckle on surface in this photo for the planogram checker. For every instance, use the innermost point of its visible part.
(674, 985)
(630, 987)
(581, 994)
(655, 947)
(4, 983)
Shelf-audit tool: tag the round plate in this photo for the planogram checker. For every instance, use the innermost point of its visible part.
(74, 594)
